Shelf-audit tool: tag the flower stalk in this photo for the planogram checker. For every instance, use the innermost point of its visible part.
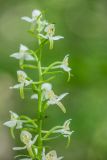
(32, 134)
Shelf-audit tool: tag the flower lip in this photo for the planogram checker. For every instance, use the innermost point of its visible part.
(25, 137)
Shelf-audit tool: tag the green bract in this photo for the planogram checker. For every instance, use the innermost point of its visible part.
(32, 134)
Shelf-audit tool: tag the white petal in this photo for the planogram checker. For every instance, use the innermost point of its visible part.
(10, 124)
(14, 116)
(34, 96)
(15, 55)
(28, 57)
(19, 148)
(23, 48)
(61, 106)
(62, 96)
(46, 86)
(57, 38)
(65, 68)
(36, 13)
(16, 86)
(19, 124)
(27, 19)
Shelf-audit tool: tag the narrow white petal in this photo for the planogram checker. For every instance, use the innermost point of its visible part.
(16, 86)
(61, 106)
(62, 96)
(19, 148)
(10, 124)
(15, 55)
(55, 38)
(27, 19)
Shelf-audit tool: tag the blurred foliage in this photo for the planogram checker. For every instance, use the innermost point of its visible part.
(83, 24)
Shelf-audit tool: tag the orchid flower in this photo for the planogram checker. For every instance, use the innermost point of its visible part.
(35, 15)
(22, 79)
(65, 129)
(64, 64)
(26, 138)
(23, 54)
(14, 121)
(51, 97)
(52, 155)
(50, 32)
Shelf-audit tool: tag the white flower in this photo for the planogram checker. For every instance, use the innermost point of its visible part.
(23, 54)
(26, 138)
(14, 121)
(35, 15)
(51, 98)
(52, 155)
(64, 64)
(22, 82)
(65, 129)
(50, 32)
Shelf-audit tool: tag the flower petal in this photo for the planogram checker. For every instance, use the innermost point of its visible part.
(61, 106)
(55, 38)
(10, 124)
(62, 96)
(19, 148)
(15, 55)
(23, 48)
(16, 86)
(27, 19)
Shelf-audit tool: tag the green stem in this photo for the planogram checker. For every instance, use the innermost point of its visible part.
(40, 111)
(31, 152)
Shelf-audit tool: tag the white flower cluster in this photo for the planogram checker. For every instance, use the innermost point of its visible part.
(14, 121)
(46, 30)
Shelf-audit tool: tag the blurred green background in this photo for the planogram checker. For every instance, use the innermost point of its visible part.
(83, 23)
